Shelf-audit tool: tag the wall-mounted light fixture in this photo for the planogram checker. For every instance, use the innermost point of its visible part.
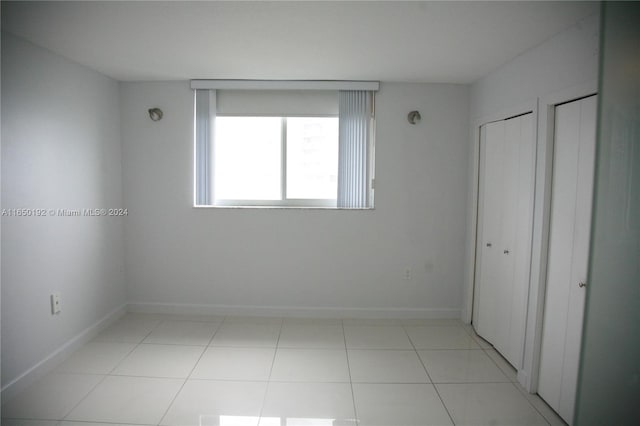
(155, 114)
(413, 117)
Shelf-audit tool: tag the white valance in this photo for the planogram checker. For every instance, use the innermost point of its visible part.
(371, 86)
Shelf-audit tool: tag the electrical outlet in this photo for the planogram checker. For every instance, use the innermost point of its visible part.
(55, 303)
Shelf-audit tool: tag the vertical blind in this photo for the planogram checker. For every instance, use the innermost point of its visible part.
(205, 114)
(354, 174)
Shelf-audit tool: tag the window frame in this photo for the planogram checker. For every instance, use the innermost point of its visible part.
(356, 164)
(284, 201)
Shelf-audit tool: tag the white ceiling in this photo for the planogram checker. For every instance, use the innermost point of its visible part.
(455, 42)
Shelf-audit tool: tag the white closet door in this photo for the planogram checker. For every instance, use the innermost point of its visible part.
(518, 234)
(572, 190)
(489, 234)
(504, 234)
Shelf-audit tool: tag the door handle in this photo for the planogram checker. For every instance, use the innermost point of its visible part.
(506, 251)
(489, 244)
(582, 284)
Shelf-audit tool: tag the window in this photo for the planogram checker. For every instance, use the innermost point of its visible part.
(275, 161)
(283, 144)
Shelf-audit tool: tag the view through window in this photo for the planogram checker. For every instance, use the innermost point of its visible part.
(288, 161)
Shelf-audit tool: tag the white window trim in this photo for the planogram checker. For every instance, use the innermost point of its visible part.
(289, 203)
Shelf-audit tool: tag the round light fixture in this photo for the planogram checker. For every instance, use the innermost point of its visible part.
(413, 117)
(155, 114)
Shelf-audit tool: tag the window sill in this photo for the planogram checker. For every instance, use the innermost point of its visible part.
(282, 208)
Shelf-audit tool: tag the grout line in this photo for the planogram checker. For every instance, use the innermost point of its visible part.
(353, 394)
(149, 377)
(215, 332)
(418, 355)
(104, 377)
(486, 352)
(517, 386)
(84, 397)
(136, 346)
(273, 361)
(528, 397)
(189, 345)
(188, 376)
(429, 375)
(224, 320)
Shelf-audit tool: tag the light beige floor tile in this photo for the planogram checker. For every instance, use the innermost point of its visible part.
(308, 404)
(138, 400)
(247, 334)
(253, 320)
(373, 321)
(386, 366)
(310, 373)
(311, 336)
(52, 397)
(502, 364)
(223, 363)
(141, 316)
(376, 337)
(179, 317)
(96, 358)
(461, 366)
(495, 404)
(399, 404)
(434, 321)
(205, 402)
(183, 333)
(311, 321)
(440, 337)
(310, 365)
(542, 407)
(129, 329)
(171, 361)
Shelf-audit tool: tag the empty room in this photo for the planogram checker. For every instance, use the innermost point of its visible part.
(320, 213)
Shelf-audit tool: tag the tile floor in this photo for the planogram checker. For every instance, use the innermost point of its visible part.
(231, 371)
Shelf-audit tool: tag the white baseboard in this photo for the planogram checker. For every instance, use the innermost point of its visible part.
(294, 311)
(64, 351)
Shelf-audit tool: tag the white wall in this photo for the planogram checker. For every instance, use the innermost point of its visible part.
(61, 148)
(567, 59)
(278, 261)
(563, 68)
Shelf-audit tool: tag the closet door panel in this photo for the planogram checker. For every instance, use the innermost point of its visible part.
(521, 246)
(579, 263)
(508, 280)
(504, 234)
(563, 208)
(492, 217)
(574, 158)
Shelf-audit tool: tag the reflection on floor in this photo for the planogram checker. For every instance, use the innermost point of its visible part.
(238, 371)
